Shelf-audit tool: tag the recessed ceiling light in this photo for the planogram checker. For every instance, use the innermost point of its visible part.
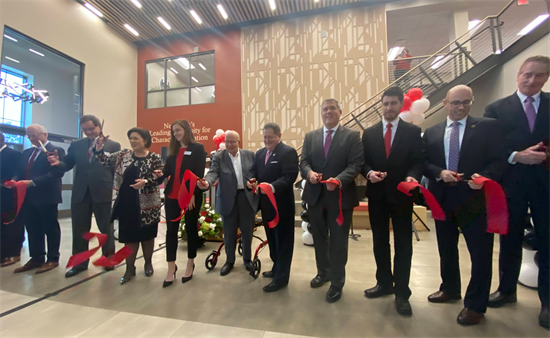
(183, 62)
(9, 37)
(136, 2)
(131, 29)
(202, 66)
(222, 11)
(14, 60)
(438, 61)
(197, 88)
(533, 24)
(195, 16)
(35, 52)
(213, 95)
(164, 23)
(316, 1)
(194, 79)
(392, 54)
(272, 5)
(172, 69)
(93, 10)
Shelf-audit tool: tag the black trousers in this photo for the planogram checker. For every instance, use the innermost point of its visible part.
(81, 215)
(535, 197)
(281, 248)
(173, 211)
(42, 226)
(12, 237)
(242, 216)
(331, 251)
(401, 216)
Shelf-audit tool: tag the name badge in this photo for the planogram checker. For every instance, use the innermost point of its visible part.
(187, 153)
(274, 162)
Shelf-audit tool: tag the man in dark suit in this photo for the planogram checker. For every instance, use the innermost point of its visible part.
(92, 189)
(524, 117)
(235, 203)
(277, 165)
(40, 207)
(12, 234)
(393, 154)
(456, 150)
(332, 153)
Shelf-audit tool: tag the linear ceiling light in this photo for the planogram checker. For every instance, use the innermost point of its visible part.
(194, 79)
(195, 16)
(438, 61)
(392, 54)
(136, 2)
(14, 60)
(164, 23)
(202, 66)
(172, 69)
(131, 29)
(93, 10)
(222, 11)
(197, 88)
(9, 37)
(35, 52)
(272, 5)
(533, 24)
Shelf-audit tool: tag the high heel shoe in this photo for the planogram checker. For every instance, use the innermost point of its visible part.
(167, 284)
(125, 279)
(149, 270)
(187, 279)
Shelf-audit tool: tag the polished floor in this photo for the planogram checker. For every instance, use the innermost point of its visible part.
(93, 304)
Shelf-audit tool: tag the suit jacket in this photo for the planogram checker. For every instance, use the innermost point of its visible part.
(405, 160)
(481, 152)
(47, 189)
(195, 161)
(222, 169)
(344, 162)
(280, 171)
(9, 169)
(510, 114)
(89, 174)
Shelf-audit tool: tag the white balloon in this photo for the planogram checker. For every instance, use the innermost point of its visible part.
(303, 184)
(307, 238)
(219, 132)
(406, 116)
(418, 119)
(420, 106)
(304, 226)
(222, 146)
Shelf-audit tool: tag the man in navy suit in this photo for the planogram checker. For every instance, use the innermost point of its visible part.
(43, 196)
(524, 117)
(277, 165)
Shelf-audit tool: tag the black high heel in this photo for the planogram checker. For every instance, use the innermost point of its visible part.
(166, 284)
(125, 280)
(149, 272)
(187, 279)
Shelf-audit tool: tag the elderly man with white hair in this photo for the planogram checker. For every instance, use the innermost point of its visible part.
(43, 196)
(235, 203)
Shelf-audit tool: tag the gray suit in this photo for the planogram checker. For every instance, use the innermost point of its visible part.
(92, 189)
(237, 207)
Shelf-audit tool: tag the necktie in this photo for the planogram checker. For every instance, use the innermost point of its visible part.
(328, 141)
(454, 147)
(387, 139)
(530, 112)
(31, 162)
(90, 153)
(267, 156)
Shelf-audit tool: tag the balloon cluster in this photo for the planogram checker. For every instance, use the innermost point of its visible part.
(219, 139)
(414, 106)
(307, 237)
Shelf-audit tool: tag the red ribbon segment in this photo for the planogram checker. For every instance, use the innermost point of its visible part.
(116, 259)
(437, 212)
(269, 192)
(340, 219)
(497, 207)
(82, 257)
(19, 192)
(184, 195)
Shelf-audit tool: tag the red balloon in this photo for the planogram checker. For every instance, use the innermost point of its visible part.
(407, 103)
(217, 140)
(222, 137)
(415, 94)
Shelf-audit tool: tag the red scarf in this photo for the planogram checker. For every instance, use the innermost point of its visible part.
(176, 178)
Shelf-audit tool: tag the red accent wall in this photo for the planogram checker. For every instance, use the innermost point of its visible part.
(224, 114)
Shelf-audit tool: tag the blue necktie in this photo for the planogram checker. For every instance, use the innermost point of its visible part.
(454, 147)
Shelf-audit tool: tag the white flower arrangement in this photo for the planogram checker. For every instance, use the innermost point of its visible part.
(200, 233)
(210, 224)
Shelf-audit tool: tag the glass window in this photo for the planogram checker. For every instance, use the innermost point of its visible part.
(12, 112)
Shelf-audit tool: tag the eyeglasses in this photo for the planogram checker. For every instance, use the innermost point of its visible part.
(231, 142)
(465, 103)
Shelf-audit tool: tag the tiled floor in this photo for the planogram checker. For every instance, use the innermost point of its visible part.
(235, 305)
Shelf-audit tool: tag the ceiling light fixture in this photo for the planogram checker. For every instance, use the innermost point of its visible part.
(35, 52)
(93, 10)
(136, 2)
(183, 62)
(197, 88)
(194, 79)
(202, 66)
(14, 60)
(131, 29)
(222, 11)
(438, 61)
(272, 5)
(9, 37)
(164, 23)
(195, 16)
(172, 69)
(213, 95)
(533, 24)
(392, 54)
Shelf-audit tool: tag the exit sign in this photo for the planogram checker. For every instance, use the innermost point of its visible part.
(523, 2)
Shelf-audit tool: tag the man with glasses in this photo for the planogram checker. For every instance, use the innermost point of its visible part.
(455, 151)
(41, 200)
(92, 189)
(524, 117)
(234, 202)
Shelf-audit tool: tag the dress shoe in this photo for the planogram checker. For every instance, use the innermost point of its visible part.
(75, 271)
(166, 284)
(148, 270)
(187, 279)
(272, 287)
(469, 317)
(498, 299)
(544, 318)
(47, 267)
(128, 276)
(334, 294)
(318, 281)
(28, 266)
(403, 306)
(248, 266)
(268, 274)
(442, 297)
(9, 261)
(378, 291)
(226, 269)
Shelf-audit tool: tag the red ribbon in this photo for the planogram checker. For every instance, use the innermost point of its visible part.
(116, 259)
(184, 195)
(82, 257)
(340, 219)
(19, 192)
(437, 212)
(269, 192)
(497, 208)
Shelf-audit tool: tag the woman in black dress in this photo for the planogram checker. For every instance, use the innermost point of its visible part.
(136, 196)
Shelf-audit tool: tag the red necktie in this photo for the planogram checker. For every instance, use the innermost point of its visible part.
(31, 162)
(387, 139)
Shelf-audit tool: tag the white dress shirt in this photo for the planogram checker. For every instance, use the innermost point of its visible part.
(447, 137)
(536, 104)
(237, 165)
(325, 133)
